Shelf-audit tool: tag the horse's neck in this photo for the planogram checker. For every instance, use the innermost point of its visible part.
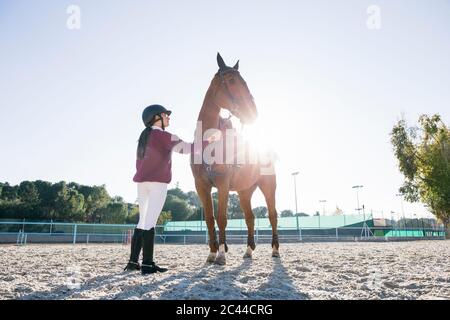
(210, 113)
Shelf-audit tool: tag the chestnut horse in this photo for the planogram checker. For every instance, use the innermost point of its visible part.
(228, 90)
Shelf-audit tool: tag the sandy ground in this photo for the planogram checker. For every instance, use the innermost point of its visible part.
(396, 270)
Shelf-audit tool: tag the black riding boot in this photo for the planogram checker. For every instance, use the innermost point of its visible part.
(136, 246)
(148, 265)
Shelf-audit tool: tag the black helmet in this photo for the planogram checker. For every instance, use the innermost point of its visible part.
(152, 111)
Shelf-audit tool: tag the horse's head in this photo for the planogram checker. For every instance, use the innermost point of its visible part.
(232, 92)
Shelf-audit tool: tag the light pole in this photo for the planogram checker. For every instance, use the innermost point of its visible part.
(357, 196)
(323, 211)
(364, 214)
(403, 211)
(294, 174)
(392, 221)
(423, 225)
(417, 224)
(430, 219)
(413, 223)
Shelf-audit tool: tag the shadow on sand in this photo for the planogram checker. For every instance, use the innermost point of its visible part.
(209, 282)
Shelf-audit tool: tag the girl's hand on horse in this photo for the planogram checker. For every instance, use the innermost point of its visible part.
(214, 137)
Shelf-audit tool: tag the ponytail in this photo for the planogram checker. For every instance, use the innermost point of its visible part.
(142, 144)
(145, 134)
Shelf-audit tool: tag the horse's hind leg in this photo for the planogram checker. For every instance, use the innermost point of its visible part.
(245, 197)
(268, 185)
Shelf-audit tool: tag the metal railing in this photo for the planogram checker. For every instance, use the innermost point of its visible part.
(22, 233)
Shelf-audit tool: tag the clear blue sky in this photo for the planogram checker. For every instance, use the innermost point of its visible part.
(328, 88)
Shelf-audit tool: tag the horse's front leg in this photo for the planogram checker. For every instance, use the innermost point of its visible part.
(204, 193)
(222, 223)
(267, 184)
(245, 197)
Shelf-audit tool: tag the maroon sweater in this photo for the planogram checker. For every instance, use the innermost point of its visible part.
(156, 166)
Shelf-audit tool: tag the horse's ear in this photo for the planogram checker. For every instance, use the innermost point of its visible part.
(220, 62)
(236, 66)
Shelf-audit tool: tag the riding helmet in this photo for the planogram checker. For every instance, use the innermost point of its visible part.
(151, 111)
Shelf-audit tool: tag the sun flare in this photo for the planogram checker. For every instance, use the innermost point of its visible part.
(261, 136)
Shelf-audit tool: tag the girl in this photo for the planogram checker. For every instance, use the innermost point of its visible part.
(153, 174)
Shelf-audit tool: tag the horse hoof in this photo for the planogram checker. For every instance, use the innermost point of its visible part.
(275, 254)
(220, 259)
(248, 253)
(211, 257)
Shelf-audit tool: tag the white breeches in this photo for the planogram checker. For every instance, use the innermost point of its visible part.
(151, 198)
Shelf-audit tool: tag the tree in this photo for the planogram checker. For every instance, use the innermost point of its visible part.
(164, 217)
(28, 192)
(42, 200)
(11, 210)
(178, 193)
(68, 203)
(75, 204)
(234, 207)
(193, 199)
(301, 214)
(9, 193)
(197, 215)
(424, 159)
(114, 212)
(215, 200)
(287, 213)
(180, 209)
(133, 214)
(196, 205)
(260, 212)
(96, 197)
(234, 210)
(46, 198)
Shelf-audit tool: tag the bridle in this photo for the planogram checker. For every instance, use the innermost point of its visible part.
(235, 101)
